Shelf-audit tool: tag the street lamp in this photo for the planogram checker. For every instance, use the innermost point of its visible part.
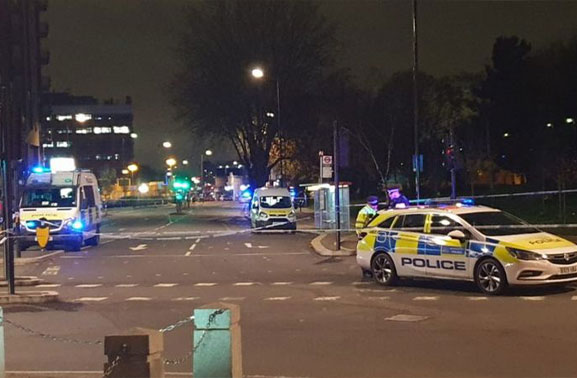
(258, 73)
(207, 153)
(185, 162)
(166, 144)
(171, 162)
(133, 135)
(569, 120)
(132, 168)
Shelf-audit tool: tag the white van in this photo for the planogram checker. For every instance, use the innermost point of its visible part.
(67, 202)
(272, 208)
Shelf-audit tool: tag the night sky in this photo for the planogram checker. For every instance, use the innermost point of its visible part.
(114, 48)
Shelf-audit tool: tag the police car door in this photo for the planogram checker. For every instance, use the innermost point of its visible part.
(409, 252)
(445, 256)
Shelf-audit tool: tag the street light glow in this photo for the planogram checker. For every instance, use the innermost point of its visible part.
(235, 162)
(125, 171)
(81, 117)
(549, 124)
(185, 162)
(208, 153)
(166, 144)
(171, 162)
(569, 120)
(133, 135)
(506, 135)
(143, 188)
(257, 73)
(132, 168)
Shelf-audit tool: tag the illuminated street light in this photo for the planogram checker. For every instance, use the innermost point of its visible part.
(185, 162)
(171, 162)
(506, 135)
(132, 168)
(81, 117)
(208, 152)
(549, 125)
(570, 120)
(235, 162)
(166, 144)
(134, 135)
(125, 171)
(143, 188)
(257, 73)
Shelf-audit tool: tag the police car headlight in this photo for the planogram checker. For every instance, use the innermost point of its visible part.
(263, 215)
(525, 255)
(292, 215)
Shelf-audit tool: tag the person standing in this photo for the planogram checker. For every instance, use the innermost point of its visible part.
(366, 213)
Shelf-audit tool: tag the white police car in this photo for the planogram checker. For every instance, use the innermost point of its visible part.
(474, 243)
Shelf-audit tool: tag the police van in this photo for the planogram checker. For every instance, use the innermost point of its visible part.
(272, 208)
(464, 242)
(68, 204)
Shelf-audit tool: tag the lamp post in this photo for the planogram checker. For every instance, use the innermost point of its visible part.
(166, 144)
(132, 168)
(207, 153)
(258, 73)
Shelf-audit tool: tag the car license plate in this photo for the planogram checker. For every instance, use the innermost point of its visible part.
(568, 270)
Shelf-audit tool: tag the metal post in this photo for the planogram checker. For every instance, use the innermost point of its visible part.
(202, 175)
(2, 353)
(8, 182)
(281, 134)
(416, 101)
(337, 184)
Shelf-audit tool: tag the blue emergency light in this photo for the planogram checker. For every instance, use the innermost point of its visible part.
(77, 225)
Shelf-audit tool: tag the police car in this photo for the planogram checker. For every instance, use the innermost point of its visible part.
(463, 242)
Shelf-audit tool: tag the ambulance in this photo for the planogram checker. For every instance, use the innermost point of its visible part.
(65, 205)
(458, 241)
(272, 208)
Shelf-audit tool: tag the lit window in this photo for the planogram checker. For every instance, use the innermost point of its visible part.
(97, 130)
(63, 144)
(81, 117)
(105, 130)
(98, 157)
(116, 156)
(121, 130)
(48, 145)
(82, 131)
(63, 117)
(48, 118)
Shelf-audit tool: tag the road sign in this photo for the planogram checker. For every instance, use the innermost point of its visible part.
(327, 160)
(326, 166)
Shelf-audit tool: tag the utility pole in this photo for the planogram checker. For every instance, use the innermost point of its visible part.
(416, 163)
(336, 162)
(281, 134)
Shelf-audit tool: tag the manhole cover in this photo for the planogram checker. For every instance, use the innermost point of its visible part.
(407, 318)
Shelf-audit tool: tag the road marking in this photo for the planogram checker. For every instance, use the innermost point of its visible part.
(281, 283)
(321, 283)
(166, 285)
(276, 254)
(185, 298)
(244, 284)
(532, 298)
(139, 247)
(361, 283)
(91, 299)
(88, 286)
(477, 298)
(138, 299)
(249, 245)
(425, 298)
(407, 318)
(376, 290)
(192, 247)
(238, 299)
(41, 286)
(326, 299)
(378, 298)
(277, 298)
(73, 257)
(173, 238)
(126, 285)
(51, 270)
(205, 284)
(197, 240)
(574, 298)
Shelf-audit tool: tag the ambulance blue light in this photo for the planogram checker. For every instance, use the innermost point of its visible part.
(468, 202)
(31, 224)
(77, 225)
(38, 170)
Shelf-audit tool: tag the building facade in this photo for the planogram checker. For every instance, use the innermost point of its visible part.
(99, 136)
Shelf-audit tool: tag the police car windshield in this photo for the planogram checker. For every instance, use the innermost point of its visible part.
(49, 197)
(498, 223)
(275, 202)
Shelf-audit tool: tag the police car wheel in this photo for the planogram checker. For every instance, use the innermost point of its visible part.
(490, 277)
(383, 269)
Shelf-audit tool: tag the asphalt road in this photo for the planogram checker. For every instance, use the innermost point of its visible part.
(302, 315)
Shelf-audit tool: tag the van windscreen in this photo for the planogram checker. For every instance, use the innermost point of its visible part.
(275, 202)
(49, 197)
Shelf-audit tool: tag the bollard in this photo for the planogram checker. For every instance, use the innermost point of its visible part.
(2, 355)
(135, 354)
(217, 344)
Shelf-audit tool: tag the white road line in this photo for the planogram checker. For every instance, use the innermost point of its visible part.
(185, 298)
(173, 238)
(476, 299)
(41, 286)
(281, 283)
(277, 298)
(321, 283)
(236, 299)
(74, 257)
(197, 240)
(188, 253)
(425, 298)
(361, 283)
(139, 247)
(326, 299)
(407, 318)
(192, 247)
(378, 298)
(205, 284)
(248, 245)
(126, 285)
(88, 286)
(532, 298)
(91, 299)
(244, 283)
(166, 285)
(51, 270)
(142, 299)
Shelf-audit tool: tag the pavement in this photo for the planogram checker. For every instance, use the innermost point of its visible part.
(302, 314)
